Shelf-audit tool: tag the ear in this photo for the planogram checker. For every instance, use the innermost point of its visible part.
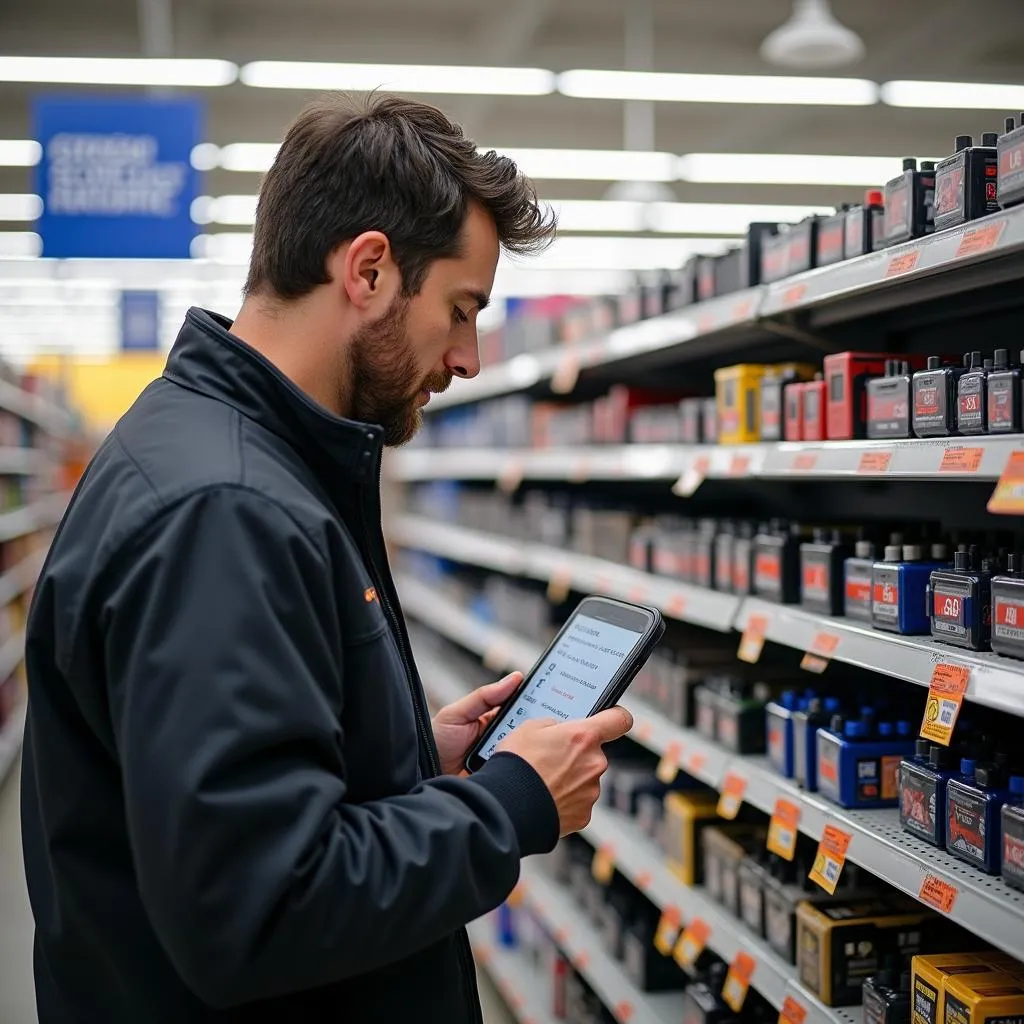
(366, 269)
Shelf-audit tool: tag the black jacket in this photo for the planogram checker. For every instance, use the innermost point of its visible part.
(231, 802)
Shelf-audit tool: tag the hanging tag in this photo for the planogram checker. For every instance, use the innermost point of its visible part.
(667, 934)
(693, 477)
(737, 981)
(752, 641)
(819, 654)
(733, 789)
(1008, 497)
(945, 695)
(692, 942)
(831, 856)
(782, 830)
(602, 867)
(668, 766)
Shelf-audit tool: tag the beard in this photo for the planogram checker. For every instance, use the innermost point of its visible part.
(384, 377)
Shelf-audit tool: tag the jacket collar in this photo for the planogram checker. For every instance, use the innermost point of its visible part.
(209, 359)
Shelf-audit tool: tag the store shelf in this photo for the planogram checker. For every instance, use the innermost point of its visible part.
(712, 319)
(592, 575)
(12, 734)
(995, 681)
(526, 992)
(25, 520)
(574, 935)
(983, 903)
(33, 408)
(945, 459)
(20, 461)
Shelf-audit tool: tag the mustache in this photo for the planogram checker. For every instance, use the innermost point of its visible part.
(438, 383)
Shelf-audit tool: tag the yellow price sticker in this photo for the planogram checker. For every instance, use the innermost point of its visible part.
(752, 641)
(668, 766)
(734, 787)
(691, 943)
(667, 934)
(737, 981)
(782, 831)
(602, 867)
(945, 696)
(831, 856)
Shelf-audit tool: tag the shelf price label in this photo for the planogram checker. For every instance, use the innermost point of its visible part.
(737, 981)
(804, 462)
(692, 942)
(831, 856)
(793, 296)
(961, 460)
(874, 462)
(792, 1012)
(602, 867)
(667, 933)
(945, 696)
(668, 766)
(937, 893)
(731, 799)
(1008, 497)
(782, 831)
(623, 1012)
(752, 641)
(675, 606)
(903, 263)
(819, 654)
(695, 763)
(979, 240)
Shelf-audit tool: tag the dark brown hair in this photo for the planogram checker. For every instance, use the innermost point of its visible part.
(384, 164)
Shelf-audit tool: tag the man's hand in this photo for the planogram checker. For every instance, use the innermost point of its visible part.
(569, 759)
(458, 726)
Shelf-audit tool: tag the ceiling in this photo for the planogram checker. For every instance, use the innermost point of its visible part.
(967, 40)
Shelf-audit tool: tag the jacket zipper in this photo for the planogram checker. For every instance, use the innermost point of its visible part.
(465, 953)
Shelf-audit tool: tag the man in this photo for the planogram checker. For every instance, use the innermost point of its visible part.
(235, 808)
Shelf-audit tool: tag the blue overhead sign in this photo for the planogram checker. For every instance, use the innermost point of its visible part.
(140, 321)
(116, 176)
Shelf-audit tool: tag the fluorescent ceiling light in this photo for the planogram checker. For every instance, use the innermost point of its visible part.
(234, 210)
(205, 156)
(21, 244)
(954, 95)
(786, 169)
(592, 164)
(248, 156)
(655, 85)
(118, 71)
(597, 253)
(18, 206)
(19, 152)
(431, 78)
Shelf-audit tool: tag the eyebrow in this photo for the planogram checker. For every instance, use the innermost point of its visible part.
(482, 301)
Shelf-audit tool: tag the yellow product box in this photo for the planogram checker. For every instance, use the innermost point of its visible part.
(928, 981)
(738, 398)
(994, 998)
(686, 816)
(839, 945)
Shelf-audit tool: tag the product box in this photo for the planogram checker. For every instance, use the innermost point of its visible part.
(984, 999)
(686, 816)
(724, 846)
(928, 982)
(738, 397)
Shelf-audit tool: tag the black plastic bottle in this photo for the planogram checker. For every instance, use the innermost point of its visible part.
(965, 183)
(960, 601)
(933, 407)
(1004, 395)
(972, 397)
(910, 202)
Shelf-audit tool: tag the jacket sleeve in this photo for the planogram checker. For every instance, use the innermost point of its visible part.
(222, 647)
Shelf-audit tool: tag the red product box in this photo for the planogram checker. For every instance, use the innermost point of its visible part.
(815, 395)
(846, 377)
(793, 411)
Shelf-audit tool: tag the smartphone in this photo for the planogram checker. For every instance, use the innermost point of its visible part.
(585, 670)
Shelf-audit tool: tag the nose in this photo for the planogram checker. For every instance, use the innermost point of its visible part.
(464, 360)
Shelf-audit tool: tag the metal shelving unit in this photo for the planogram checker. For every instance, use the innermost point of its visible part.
(525, 990)
(983, 903)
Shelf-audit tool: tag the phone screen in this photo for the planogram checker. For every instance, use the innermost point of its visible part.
(572, 677)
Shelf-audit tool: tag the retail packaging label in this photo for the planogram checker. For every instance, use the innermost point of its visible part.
(1008, 497)
(918, 804)
(692, 942)
(667, 933)
(945, 696)
(815, 578)
(1013, 845)
(737, 981)
(885, 596)
(602, 867)
(734, 787)
(962, 460)
(874, 462)
(1000, 403)
(831, 856)
(723, 562)
(858, 591)
(929, 401)
(792, 1012)
(937, 893)
(752, 640)
(926, 1002)
(951, 607)
(776, 729)
(782, 830)
(768, 572)
(741, 566)
(965, 824)
(830, 240)
(1007, 618)
(668, 766)
(970, 408)
(828, 765)
(888, 407)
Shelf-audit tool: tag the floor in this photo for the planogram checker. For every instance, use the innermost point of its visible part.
(17, 1002)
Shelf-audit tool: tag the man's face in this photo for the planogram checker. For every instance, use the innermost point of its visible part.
(422, 342)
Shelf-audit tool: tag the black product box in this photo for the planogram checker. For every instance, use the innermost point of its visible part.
(965, 183)
(775, 255)
(803, 242)
(1010, 157)
(724, 847)
(753, 881)
(731, 274)
(832, 239)
(706, 277)
(645, 966)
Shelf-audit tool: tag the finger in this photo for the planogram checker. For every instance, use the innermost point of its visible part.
(610, 724)
(482, 699)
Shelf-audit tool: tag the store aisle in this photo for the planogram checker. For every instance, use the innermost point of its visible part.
(17, 998)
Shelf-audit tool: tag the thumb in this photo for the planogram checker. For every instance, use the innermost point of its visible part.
(482, 699)
(610, 724)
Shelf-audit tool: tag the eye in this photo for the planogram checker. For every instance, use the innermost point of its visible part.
(458, 316)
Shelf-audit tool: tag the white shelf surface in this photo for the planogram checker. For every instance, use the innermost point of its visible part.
(995, 681)
(945, 458)
(525, 990)
(575, 935)
(984, 904)
(33, 408)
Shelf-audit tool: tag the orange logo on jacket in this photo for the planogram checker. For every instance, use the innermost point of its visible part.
(370, 594)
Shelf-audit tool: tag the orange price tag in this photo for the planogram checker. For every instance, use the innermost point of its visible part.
(782, 831)
(737, 981)
(938, 894)
(739, 466)
(961, 460)
(793, 295)
(692, 942)
(693, 477)
(817, 658)
(676, 606)
(695, 763)
(668, 766)
(978, 240)
(1008, 497)
(792, 1012)
(831, 856)
(734, 787)
(742, 310)
(643, 880)
(559, 584)
(874, 462)
(667, 933)
(904, 263)
(563, 381)
(945, 695)
(623, 1012)
(804, 461)
(752, 641)
(512, 474)
(580, 960)
(602, 867)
